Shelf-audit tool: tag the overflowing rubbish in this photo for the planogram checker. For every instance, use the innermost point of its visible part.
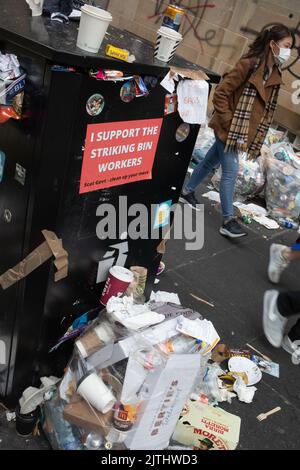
(144, 375)
(274, 177)
(12, 84)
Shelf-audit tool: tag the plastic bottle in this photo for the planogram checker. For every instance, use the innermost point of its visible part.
(182, 344)
(287, 223)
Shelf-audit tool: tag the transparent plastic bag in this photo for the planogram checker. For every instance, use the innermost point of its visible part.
(282, 190)
(250, 180)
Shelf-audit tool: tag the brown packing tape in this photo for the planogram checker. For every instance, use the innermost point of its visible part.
(51, 247)
(193, 74)
(35, 259)
(61, 256)
(82, 415)
(161, 248)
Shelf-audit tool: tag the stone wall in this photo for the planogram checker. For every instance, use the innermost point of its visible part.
(215, 37)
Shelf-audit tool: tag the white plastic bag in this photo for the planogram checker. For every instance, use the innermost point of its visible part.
(193, 100)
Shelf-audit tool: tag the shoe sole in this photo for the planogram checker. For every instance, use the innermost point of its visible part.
(267, 306)
(286, 347)
(226, 233)
(189, 204)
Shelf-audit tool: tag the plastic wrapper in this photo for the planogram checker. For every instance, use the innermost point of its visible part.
(284, 153)
(274, 136)
(205, 140)
(250, 180)
(282, 190)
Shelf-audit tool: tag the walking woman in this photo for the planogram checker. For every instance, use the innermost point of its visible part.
(244, 105)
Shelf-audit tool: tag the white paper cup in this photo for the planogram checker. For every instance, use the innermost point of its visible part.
(167, 42)
(94, 339)
(92, 388)
(92, 28)
(117, 283)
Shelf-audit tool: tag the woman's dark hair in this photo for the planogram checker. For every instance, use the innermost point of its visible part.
(260, 47)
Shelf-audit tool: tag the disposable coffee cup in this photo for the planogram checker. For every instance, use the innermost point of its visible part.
(94, 339)
(117, 283)
(167, 42)
(92, 388)
(25, 423)
(92, 28)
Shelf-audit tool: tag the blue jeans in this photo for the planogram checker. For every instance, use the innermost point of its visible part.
(229, 162)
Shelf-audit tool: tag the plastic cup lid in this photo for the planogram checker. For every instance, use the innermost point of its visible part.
(170, 33)
(122, 274)
(97, 12)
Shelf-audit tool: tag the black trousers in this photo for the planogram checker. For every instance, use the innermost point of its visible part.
(58, 6)
(288, 305)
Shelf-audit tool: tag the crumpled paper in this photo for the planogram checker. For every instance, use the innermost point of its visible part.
(162, 296)
(132, 316)
(243, 392)
(9, 67)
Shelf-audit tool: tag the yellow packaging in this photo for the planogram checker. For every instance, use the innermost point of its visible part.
(116, 52)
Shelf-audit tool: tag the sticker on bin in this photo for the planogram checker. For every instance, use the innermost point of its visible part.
(162, 215)
(95, 105)
(117, 153)
(2, 163)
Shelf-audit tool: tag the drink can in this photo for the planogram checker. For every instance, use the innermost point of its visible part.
(173, 17)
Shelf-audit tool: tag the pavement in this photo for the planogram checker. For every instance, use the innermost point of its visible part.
(232, 276)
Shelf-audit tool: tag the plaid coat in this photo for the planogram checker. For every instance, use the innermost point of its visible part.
(228, 92)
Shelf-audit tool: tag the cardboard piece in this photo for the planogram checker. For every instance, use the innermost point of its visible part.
(207, 428)
(84, 416)
(51, 247)
(187, 73)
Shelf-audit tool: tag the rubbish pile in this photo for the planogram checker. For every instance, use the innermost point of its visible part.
(274, 176)
(145, 376)
(12, 83)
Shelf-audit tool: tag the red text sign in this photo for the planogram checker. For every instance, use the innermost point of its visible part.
(119, 153)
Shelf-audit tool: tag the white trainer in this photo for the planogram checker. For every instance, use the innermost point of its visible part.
(273, 323)
(277, 263)
(292, 348)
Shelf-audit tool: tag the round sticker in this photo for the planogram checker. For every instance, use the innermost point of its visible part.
(183, 132)
(95, 105)
(127, 92)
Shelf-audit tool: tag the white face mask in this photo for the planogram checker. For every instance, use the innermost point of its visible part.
(284, 54)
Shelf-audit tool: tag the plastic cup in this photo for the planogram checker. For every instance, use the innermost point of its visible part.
(117, 283)
(92, 28)
(94, 339)
(92, 388)
(167, 42)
